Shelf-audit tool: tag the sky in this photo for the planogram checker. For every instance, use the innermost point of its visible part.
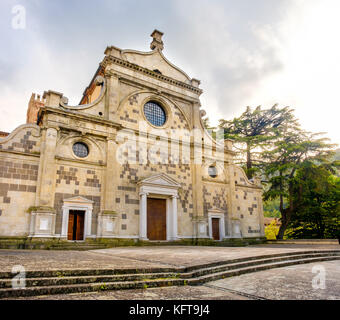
(245, 52)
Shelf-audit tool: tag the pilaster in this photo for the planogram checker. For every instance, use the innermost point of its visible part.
(46, 175)
(112, 97)
(143, 216)
(110, 176)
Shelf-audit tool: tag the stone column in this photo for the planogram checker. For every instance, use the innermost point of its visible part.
(174, 218)
(143, 216)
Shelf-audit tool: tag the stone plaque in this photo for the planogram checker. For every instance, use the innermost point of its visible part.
(43, 224)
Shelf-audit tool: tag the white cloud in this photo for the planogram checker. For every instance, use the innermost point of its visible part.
(245, 53)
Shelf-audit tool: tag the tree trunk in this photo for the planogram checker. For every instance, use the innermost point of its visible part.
(285, 213)
(249, 164)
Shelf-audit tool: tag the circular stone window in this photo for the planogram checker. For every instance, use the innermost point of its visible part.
(80, 149)
(212, 171)
(155, 114)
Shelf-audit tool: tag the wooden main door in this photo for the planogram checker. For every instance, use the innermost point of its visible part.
(156, 213)
(76, 225)
(215, 223)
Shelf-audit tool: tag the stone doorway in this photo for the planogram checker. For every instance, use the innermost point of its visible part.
(216, 224)
(76, 219)
(158, 187)
(156, 219)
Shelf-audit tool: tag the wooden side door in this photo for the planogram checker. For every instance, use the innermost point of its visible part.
(80, 225)
(156, 219)
(70, 225)
(215, 223)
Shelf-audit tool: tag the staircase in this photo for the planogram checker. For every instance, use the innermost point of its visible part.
(75, 281)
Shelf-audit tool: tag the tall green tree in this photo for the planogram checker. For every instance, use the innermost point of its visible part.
(316, 201)
(291, 150)
(254, 131)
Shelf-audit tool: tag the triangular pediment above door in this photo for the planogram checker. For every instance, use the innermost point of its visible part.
(160, 180)
(78, 199)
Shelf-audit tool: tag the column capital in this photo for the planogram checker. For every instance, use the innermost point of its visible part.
(112, 138)
(175, 196)
(143, 193)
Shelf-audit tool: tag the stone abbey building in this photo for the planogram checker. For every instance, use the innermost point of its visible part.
(132, 160)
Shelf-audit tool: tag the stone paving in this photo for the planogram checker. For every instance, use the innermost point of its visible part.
(139, 257)
(288, 283)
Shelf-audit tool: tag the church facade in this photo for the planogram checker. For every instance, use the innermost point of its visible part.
(132, 160)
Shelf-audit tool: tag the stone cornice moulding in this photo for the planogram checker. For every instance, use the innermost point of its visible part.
(82, 116)
(19, 129)
(248, 182)
(20, 153)
(145, 84)
(215, 142)
(124, 54)
(129, 65)
(97, 164)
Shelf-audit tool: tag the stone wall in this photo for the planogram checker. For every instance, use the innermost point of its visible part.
(19, 164)
(77, 180)
(248, 205)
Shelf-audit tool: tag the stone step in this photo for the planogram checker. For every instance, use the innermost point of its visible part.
(87, 272)
(231, 266)
(144, 280)
(90, 287)
(285, 254)
(109, 275)
(237, 272)
(52, 281)
(97, 272)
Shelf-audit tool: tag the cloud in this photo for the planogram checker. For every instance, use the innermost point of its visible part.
(244, 52)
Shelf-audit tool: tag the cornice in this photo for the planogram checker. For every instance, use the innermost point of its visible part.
(82, 116)
(20, 153)
(142, 84)
(135, 67)
(237, 185)
(80, 161)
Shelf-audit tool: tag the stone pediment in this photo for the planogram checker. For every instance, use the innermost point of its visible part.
(215, 210)
(78, 199)
(160, 180)
(155, 60)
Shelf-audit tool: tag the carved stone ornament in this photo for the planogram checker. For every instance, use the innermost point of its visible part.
(99, 81)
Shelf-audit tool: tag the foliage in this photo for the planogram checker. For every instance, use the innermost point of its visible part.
(292, 150)
(317, 203)
(255, 131)
(271, 208)
(299, 170)
(271, 231)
